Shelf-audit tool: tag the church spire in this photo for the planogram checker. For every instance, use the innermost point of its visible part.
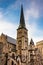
(22, 21)
(31, 42)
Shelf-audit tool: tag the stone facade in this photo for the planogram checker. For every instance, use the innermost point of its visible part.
(6, 47)
(18, 52)
(40, 46)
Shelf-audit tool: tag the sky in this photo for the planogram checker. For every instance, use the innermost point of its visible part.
(10, 18)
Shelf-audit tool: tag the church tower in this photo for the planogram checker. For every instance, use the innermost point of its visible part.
(22, 39)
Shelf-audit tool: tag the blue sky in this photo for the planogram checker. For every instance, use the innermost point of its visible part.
(10, 17)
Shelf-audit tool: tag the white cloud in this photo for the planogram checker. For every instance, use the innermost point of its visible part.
(1, 15)
(34, 33)
(32, 11)
(8, 28)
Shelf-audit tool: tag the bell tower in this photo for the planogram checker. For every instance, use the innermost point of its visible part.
(22, 39)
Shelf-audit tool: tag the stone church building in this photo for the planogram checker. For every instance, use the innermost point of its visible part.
(19, 51)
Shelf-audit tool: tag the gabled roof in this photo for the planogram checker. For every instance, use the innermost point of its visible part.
(9, 39)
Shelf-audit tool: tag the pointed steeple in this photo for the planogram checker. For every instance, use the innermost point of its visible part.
(22, 21)
(31, 42)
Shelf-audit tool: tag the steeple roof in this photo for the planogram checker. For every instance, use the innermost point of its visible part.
(22, 21)
(31, 42)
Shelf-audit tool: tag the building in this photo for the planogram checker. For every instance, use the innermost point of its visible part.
(7, 44)
(40, 46)
(18, 52)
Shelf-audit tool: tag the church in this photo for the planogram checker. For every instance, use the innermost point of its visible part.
(19, 51)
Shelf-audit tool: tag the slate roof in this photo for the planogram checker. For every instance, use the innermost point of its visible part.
(11, 40)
